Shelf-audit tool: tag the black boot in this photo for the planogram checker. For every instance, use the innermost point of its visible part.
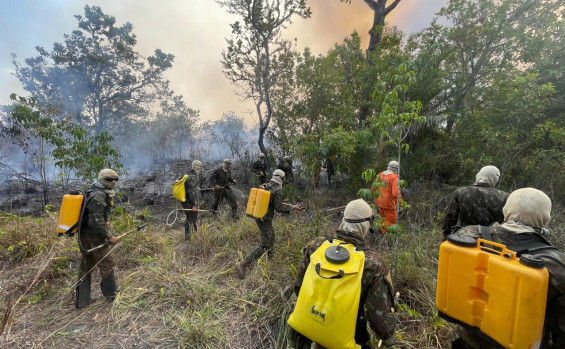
(109, 286)
(83, 292)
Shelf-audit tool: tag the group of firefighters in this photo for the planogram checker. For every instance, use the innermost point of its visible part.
(515, 218)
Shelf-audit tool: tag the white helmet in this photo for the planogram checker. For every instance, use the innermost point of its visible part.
(197, 166)
(278, 176)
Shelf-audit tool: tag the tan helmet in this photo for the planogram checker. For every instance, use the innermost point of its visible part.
(529, 206)
(357, 218)
(489, 175)
(108, 177)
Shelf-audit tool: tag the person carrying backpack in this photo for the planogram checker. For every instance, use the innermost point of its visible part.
(526, 213)
(376, 301)
(265, 224)
(191, 186)
(94, 232)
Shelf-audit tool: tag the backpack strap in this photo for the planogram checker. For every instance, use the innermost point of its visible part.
(486, 232)
(520, 248)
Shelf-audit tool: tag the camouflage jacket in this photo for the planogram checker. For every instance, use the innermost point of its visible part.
(276, 202)
(221, 177)
(377, 302)
(191, 187)
(478, 204)
(98, 209)
(259, 166)
(286, 166)
(555, 264)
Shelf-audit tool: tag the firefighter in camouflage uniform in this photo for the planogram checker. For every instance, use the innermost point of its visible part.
(286, 166)
(259, 169)
(526, 212)
(376, 306)
(192, 188)
(220, 180)
(266, 223)
(478, 204)
(95, 232)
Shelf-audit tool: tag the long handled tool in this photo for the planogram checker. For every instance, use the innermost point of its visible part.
(182, 209)
(118, 238)
(334, 209)
(209, 189)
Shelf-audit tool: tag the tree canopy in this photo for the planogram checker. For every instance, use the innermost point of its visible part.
(95, 75)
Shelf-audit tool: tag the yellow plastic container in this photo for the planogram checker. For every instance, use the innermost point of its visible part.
(486, 286)
(179, 192)
(327, 306)
(258, 203)
(69, 213)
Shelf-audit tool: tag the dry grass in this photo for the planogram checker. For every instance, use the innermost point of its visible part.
(185, 295)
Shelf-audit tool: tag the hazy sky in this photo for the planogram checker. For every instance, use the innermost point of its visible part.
(194, 31)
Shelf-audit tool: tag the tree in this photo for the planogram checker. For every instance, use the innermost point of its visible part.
(257, 59)
(232, 132)
(486, 37)
(60, 140)
(380, 11)
(171, 132)
(95, 75)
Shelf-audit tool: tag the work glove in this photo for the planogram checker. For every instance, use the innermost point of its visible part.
(216, 187)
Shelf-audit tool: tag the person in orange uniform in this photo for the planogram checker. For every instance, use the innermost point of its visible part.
(389, 194)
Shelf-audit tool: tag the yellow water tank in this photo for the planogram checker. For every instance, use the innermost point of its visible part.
(328, 302)
(69, 213)
(484, 285)
(258, 203)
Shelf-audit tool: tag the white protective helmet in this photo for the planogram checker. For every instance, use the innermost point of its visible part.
(278, 176)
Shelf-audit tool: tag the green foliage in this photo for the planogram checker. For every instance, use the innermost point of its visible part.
(95, 75)
(73, 148)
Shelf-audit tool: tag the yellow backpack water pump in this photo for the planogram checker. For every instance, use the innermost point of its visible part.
(258, 203)
(328, 302)
(485, 287)
(72, 208)
(179, 192)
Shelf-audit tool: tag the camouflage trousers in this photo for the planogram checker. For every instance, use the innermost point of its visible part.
(220, 194)
(89, 260)
(190, 225)
(267, 241)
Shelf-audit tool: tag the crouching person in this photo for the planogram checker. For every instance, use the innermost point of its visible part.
(342, 286)
(95, 232)
(526, 212)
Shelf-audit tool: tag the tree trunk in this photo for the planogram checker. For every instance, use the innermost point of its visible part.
(380, 12)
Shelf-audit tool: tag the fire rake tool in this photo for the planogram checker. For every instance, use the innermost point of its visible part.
(119, 237)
